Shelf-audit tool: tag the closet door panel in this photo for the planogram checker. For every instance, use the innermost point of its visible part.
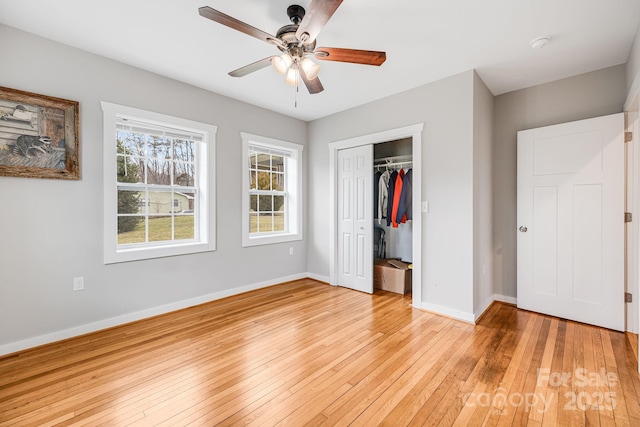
(355, 231)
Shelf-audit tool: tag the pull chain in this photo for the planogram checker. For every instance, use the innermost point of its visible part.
(297, 87)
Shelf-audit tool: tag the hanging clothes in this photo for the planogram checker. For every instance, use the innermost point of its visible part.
(405, 205)
(392, 187)
(397, 192)
(383, 195)
(376, 192)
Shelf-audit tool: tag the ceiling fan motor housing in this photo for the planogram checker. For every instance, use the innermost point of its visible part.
(288, 35)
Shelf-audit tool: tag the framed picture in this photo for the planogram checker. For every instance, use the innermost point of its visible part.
(38, 136)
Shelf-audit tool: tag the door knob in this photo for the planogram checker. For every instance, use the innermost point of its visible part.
(523, 229)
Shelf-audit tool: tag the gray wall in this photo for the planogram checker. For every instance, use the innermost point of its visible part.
(446, 109)
(588, 95)
(633, 63)
(482, 196)
(52, 230)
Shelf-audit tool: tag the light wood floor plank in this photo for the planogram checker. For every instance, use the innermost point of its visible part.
(305, 353)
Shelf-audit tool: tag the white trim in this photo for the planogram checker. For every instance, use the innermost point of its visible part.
(634, 91)
(207, 186)
(504, 298)
(484, 308)
(318, 277)
(449, 312)
(138, 315)
(414, 132)
(294, 190)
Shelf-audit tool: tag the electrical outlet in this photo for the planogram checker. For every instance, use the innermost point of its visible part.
(291, 250)
(78, 283)
(425, 207)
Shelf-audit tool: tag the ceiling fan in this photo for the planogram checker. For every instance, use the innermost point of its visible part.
(297, 42)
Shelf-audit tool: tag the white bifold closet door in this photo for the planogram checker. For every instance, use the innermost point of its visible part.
(355, 218)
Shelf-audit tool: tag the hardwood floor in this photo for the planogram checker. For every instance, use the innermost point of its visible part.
(305, 353)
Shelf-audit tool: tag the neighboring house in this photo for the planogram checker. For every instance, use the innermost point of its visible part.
(163, 202)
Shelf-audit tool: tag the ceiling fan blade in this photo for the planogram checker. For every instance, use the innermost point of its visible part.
(355, 56)
(247, 69)
(315, 18)
(235, 24)
(313, 86)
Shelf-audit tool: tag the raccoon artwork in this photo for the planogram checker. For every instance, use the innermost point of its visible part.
(29, 145)
(38, 136)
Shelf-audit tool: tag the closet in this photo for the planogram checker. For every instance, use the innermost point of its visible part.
(392, 215)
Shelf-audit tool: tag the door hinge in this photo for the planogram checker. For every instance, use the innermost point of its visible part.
(628, 297)
(628, 136)
(628, 217)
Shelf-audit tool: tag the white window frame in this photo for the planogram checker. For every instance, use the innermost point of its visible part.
(293, 177)
(206, 186)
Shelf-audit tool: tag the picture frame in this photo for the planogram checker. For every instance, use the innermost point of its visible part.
(38, 136)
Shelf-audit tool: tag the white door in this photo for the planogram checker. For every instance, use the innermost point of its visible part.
(355, 218)
(571, 221)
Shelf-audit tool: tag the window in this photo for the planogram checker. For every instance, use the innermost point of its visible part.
(157, 187)
(271, 199)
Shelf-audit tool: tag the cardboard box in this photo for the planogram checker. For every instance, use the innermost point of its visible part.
(392, 276)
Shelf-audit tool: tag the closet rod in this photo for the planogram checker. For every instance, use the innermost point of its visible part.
(387, 165)
(387, 162)
(402, 158)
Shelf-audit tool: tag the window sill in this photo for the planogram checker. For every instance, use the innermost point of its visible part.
(270, 239)
(137, 254)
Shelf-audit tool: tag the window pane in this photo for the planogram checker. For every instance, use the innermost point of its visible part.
(277, 181)
(184, 227)
(278, 203)
(253, 203)
(130, 143)
(253, 222)
(184, 174)
(130, 202)
(184, 150)
(128, 169)
(277, 163)
(160, 202)
(278, 221)
(159, 228)
(265, 222)
(264, 181)
(183, 202)
(158, 172)
(253, 180)
(253, 161)
(159, 147)
(264, 161)
(130, 229)
(265, 203)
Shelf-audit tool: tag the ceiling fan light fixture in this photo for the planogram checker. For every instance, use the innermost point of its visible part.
(293, 78)
(310, 68)
(281, 63)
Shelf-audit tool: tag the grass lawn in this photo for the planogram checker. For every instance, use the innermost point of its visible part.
(160, 230)
(265, 223)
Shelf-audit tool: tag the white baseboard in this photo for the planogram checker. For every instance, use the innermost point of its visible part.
(138, 315)
(483, 307)
(449, 312)
(504, 298)
(464, 316)
(318, 277)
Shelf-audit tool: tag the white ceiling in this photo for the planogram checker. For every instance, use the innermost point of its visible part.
(425, 41)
